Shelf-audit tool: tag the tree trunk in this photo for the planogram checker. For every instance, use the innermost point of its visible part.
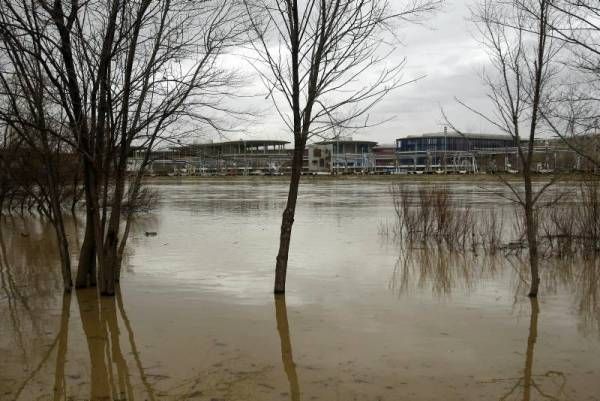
(121, 248)
(61, 238)
(93, 208)
(65, 261)
(111, 244)
(86, 269)
(531, 228)
(56, 217)
(107, 277)
(288, 220)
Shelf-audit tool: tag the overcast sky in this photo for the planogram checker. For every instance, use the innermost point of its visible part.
(444, 49)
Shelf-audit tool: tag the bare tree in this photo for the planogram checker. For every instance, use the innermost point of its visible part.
(34, 133)
(117, 74)
(575, 114)
(323, 64)
(517, 37)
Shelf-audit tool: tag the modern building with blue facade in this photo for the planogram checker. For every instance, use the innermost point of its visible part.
(446, 151)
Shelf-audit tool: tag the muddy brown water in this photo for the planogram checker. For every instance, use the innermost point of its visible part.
(362, 320)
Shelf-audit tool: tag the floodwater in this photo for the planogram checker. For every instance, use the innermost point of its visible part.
(362, 320)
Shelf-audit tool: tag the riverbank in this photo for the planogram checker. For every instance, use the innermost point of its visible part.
(416, 178)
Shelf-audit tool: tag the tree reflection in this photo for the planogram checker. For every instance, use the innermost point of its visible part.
(587, 290)
(439, 269)
(533, 327)
(110, 376)
(442, 271)
(580, 277)
(60, 385)
(134, 350)
(286, 346)
(27, 293)
(95, 333)
(29, 289)
(529, 384)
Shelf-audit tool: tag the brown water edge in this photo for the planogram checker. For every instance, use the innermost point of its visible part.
(196, 320)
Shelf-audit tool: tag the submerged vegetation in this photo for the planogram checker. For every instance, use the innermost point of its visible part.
(568, 225)
(432, 216)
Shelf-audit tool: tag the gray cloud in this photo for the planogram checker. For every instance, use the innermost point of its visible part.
(444, 51)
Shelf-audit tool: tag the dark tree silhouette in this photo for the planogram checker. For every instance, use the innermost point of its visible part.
(323, 65)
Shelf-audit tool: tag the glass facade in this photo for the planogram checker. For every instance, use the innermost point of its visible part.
(451, 143)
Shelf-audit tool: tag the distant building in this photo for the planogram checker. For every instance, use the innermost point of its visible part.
(426, 153)
(385, 158)
(441, 141)
(318, 158)
(443, 151)
(241, 157)
(350, 156)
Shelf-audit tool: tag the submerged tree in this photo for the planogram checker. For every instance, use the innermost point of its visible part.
(116, 75)
(517, 36)
(36, 162)
(324, 66)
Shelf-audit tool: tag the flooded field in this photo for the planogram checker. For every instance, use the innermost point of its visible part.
(363, 319)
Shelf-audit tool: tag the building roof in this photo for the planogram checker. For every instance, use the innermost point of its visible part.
(467, 135)
(345, 141)
(248, 142)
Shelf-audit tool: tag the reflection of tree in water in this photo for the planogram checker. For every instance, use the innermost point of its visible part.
(28, 283)
(442, 271)
(30, 286)
(286, 346)
(530, 386)
(439, 269)
(587, 290)
(110, 377)
(228, 380)
(61, 341)
(110, 374)
(580, 277)
(99, 320)
(60, 384)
